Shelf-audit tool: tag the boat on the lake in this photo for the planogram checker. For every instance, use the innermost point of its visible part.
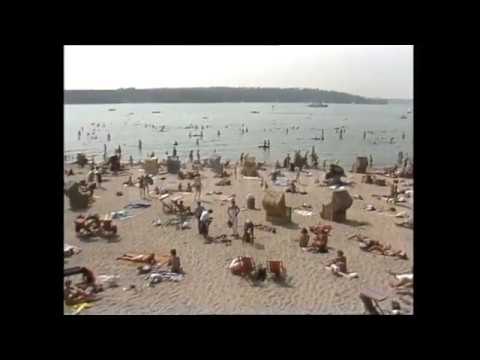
(254, 112)
(156, 112)
(318, 105)
(403, 116)
(112, 109)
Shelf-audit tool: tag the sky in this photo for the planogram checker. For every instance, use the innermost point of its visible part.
(384, 71)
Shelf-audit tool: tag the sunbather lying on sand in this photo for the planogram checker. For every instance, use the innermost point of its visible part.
(147, 259)
(377, 247)
(403, 280)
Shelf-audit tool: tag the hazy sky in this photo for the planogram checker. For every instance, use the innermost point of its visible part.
(368, 70)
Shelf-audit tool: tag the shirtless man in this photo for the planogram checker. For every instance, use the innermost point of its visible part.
(173, 262)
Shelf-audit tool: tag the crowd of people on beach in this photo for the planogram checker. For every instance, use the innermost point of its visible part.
(318, 243)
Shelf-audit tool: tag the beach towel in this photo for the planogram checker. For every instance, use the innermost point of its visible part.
(137, 205)
(121, 215)
(281, 181)
(164, 276)
(79, 307)
(304, 212)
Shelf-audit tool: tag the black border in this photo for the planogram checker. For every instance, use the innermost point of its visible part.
(56, 131)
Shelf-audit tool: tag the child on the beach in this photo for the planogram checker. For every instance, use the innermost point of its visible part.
(174, 262)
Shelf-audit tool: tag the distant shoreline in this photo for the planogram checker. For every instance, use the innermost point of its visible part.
(215, 95)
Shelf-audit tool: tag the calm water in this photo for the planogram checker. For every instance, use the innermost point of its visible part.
(126, 126)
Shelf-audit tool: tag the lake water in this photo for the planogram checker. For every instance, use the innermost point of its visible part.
(126, 126)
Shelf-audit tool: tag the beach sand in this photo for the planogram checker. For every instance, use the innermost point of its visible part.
(208, 287)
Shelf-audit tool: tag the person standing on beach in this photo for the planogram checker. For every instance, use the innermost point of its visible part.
(241, 158)
(400, 158)
(197, 185)
(140, 145)
(371, 161)
(268, 142)
(287, 161)
(98, 175)
(403, 135)
(190, 156)
(235, 170)
(197, 143)
(141, 186)
(109, 137)
(233, 212)
(174, 151)
(205, 222)
(364, 134)
(197, 213)
(198, 155)
(323, 137)
(131, 161)
(394, 191)
(218, 133)
(79, 133)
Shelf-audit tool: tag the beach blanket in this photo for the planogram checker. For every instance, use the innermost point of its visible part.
(304, 212)
(121, 215)
(137, 205)
(158, 276)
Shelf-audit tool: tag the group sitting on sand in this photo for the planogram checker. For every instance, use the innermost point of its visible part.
(320, 241)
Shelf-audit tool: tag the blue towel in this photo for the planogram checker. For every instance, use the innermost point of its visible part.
(137, 205)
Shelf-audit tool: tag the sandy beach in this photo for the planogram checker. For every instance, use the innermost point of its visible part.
(208, 287)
